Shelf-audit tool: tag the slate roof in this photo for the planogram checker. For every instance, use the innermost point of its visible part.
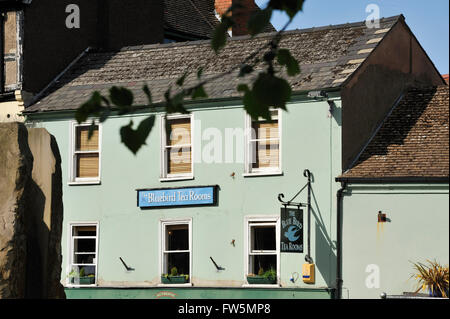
(193, 17)
(328, 56)
(190, 17)
(412, 142)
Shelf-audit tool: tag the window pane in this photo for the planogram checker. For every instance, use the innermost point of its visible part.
(177, 237)
(84, 258)
(10, 41)
(83, 143)
(266, 154)
(83, 245)
(87, 165)
(82, 275)
(179, 131)
(263, 238)
(179, 160)
(85, 231)
(10, 73)
(178, 260)
(262, 263)
(266, 129)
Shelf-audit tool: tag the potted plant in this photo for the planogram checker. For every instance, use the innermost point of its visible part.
(80, 277)
(174, 278)
(263, 278)
(432, 277)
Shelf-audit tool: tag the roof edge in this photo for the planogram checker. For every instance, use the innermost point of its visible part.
(394, 180)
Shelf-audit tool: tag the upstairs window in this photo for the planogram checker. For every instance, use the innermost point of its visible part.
(263, 154)
(10, 23)
(85, 154)
(176, 147)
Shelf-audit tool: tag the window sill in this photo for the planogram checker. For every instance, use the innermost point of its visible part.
(256, 174)
(175, 179)
(93, 182)
(261, 286)
(189, 284)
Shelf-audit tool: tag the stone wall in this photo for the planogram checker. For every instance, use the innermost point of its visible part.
(31, 213)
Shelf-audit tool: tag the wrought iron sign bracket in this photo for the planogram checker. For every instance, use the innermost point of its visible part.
(307, 174)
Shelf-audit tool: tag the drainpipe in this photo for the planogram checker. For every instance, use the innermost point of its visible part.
(339, 197)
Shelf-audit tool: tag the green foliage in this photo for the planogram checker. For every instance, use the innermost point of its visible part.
(259, 20)
(270, 274)
(221, 32)
(285, 58)
(291, 7)
(134, 139)
(260, 271)
(174, 271)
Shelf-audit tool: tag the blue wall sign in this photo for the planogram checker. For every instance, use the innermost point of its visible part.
(172, 197)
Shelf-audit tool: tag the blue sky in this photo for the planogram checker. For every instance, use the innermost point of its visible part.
(428, 20)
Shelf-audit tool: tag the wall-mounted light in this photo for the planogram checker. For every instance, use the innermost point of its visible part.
(381, 217)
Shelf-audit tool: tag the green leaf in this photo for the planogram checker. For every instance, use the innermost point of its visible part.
(134, 139)
(291, 7)
(251, 105)
(259, 20)
(93, 106)
(199, 72)
(91, 129)
(272, 91)
(121, 96)
(245, 69)
(199, 93)
(175, 104)
(180, 81)
(285, 58)
(148, 94)
(220, 34)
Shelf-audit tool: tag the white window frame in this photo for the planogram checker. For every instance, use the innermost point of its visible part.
(71, 252)
(164, 176)
(262, 171)
(163, 223)
(261, 220)
(73, 180)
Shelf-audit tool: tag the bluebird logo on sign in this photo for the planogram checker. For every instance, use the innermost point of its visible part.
(292, 233)
(292, 230)
(173, 197)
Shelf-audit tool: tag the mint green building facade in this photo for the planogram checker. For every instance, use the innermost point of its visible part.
(378, 257)
(310, 139)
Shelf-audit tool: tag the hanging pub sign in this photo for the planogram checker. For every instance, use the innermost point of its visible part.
(291, 230)
(176, 197)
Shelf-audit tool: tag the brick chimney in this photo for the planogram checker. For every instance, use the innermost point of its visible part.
(241, 15)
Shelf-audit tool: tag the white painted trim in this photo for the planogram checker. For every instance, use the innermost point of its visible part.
(71, 225)
(164, 177)
(161, 243)
(72, 167)
(271, 219)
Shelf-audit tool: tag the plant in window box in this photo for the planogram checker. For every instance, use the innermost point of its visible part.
(263, 278)
(81, 278)
(174, 278)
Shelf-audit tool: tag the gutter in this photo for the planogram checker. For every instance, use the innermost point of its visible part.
(339, 196)
(393, 180)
